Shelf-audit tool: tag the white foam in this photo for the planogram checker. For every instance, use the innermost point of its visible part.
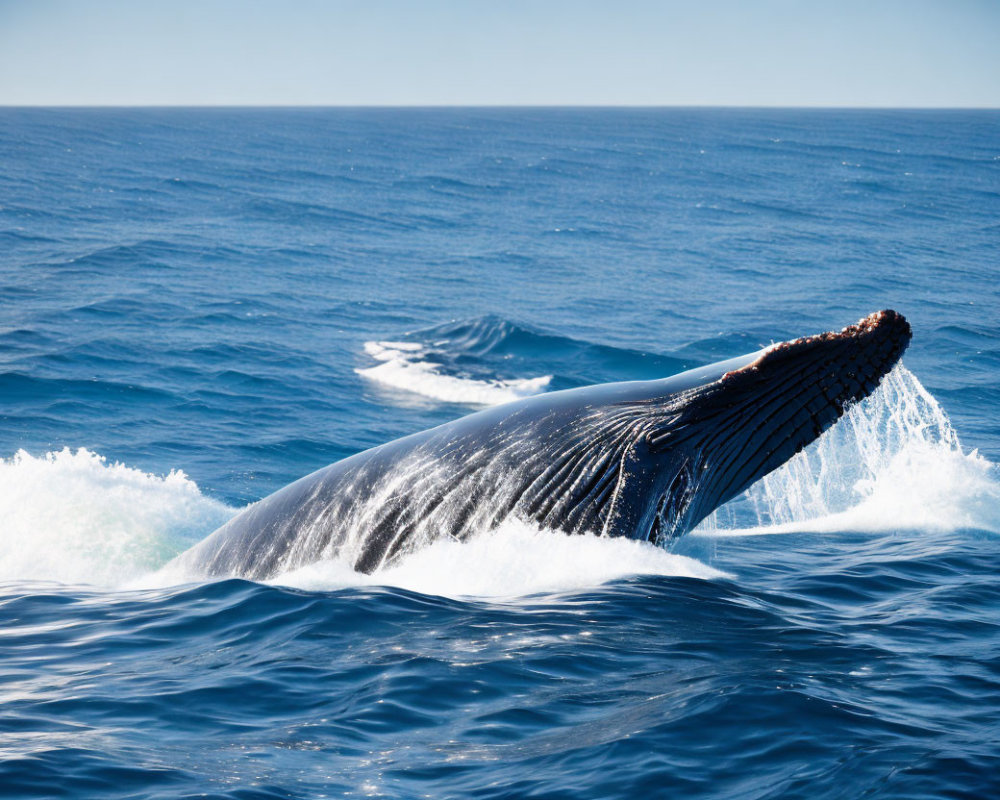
(515, 560)
(402, 368)
(893, 463)
(72, 517)
(75, 518)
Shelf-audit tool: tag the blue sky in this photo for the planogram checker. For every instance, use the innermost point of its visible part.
(441, 52)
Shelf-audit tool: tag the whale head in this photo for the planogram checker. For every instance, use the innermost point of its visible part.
(713, 432)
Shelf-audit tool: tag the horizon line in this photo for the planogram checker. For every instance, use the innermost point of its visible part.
(553, 106)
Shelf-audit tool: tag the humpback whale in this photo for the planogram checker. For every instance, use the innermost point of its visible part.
(643, 459)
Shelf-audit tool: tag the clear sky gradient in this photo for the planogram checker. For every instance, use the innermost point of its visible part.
(911, 53)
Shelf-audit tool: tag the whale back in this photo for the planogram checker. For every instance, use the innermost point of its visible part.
(555, 460)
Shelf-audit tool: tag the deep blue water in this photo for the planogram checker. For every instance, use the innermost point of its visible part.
(245, 296)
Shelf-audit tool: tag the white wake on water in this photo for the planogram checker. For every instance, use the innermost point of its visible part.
(403, 366)
(893, 463)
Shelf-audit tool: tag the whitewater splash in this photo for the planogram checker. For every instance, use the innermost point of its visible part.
(893, 463)
(405, 366)
(73, 517)
(76, 518)
(514, 560)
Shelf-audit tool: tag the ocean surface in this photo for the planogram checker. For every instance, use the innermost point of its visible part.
(200, 306)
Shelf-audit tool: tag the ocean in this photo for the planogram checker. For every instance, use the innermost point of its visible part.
(198, 306)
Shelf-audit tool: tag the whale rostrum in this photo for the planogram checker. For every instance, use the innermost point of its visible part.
(643, 459)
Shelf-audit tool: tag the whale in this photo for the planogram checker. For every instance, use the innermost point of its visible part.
(643, 459)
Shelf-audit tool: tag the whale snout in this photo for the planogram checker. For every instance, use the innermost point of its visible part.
(844, 366)
(880, 340)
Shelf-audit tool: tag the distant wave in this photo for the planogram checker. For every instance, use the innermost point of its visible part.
(490, 360)
(403, 366)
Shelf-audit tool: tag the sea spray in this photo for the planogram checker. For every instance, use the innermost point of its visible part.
(893, 462)
(73, 517)
(514, 560)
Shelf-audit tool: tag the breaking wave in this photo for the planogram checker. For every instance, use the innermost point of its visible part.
(75, 517)
(404, 365)
(489, 360)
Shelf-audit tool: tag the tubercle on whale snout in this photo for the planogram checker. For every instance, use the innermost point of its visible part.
(881, 337)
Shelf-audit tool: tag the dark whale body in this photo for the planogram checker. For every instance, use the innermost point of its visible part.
(644, 459)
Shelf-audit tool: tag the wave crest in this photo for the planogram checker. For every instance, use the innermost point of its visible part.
(404, 365)
(489, 360)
